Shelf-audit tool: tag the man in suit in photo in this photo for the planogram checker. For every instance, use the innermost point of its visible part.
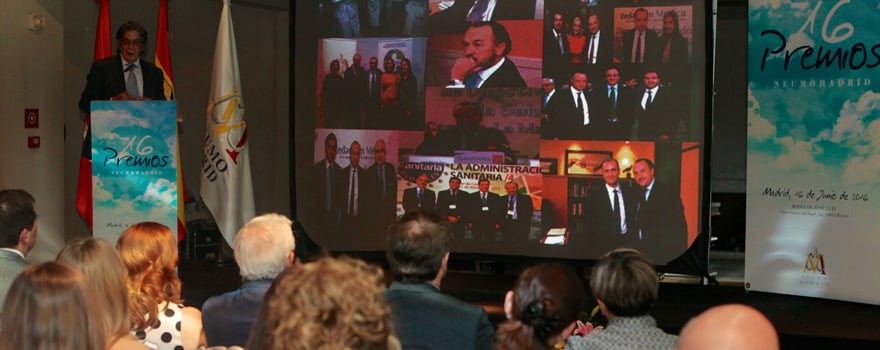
(327, 186)
(661, 229)
(613, 104)
(18, 234)
(451, 206)
(419, 198)
(485, 62)
(640, 44)
(354, 181)
(373, 92)
(424, 318)
(569, 111)
(656, 110)
(463, 12)
(355, 78)
(124, 76)
(599, 43)
(263, 248)
(516, 224)
(610, 209)
(468, 134)
(486, 210)
(555, 48)
(548, 85)
(382, 186)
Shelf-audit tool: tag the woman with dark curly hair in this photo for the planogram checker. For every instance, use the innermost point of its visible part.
(331, 303)
(158, 317)
(542, 308)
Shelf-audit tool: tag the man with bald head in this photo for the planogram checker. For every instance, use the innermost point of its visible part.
(729, 327)
(382, 186)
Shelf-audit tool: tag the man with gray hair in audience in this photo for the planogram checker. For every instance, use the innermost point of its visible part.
(18, 234)
(418, 252)
(263, 248)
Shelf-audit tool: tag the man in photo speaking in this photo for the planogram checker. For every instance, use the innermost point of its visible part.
(485, 62)
(124, 76)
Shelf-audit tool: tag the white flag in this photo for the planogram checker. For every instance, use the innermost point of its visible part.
(226, 171)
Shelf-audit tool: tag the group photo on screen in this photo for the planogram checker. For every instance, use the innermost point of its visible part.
(558, 128)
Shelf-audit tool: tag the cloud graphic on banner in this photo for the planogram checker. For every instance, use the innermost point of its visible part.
(855, 117)
(161, 192)
(848, 145)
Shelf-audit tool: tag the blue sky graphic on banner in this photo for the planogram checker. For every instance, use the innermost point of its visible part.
(813, 138)
(133, 165)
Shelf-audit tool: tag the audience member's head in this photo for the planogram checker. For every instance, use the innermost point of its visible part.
(50, 306)
(331, 303)
(418, 248)
(264, 247)
(18, 220)
(149, 252)
(105, 273)
(624, 283)
(729, 327)
(541, 309)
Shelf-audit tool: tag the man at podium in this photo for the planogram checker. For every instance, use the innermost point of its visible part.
(124, 76)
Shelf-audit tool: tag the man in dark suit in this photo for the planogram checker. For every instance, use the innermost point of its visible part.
(353, 181)
(569, 111)
(640, 44)
(124, 76)
(656, 110)
(451, 205)
(555, 48)
(613, 105)
(485, 62)
(326, 183)
(516, 224)
(485, 212)
(355, 78)
(18, 234)
(469, 135)
(661, 227)
(463, 12)
(610, 209)
(598, 48)
(373, 92)
(382, 179)
(419, 198)
(263, 248)
(424, 318)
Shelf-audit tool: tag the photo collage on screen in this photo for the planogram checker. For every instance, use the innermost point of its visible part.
(534, 127)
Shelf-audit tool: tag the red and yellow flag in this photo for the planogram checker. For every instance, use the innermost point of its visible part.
(103, 49)
(163, 61)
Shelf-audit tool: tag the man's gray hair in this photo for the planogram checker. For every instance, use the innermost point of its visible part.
(263, 245)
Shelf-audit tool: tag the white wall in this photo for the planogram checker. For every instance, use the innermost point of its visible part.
(30, 74)
(34, 65)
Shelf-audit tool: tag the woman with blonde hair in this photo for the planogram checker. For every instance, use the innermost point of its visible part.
(158, 317)
(331, 303)
(50, 306)
(104, 272)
